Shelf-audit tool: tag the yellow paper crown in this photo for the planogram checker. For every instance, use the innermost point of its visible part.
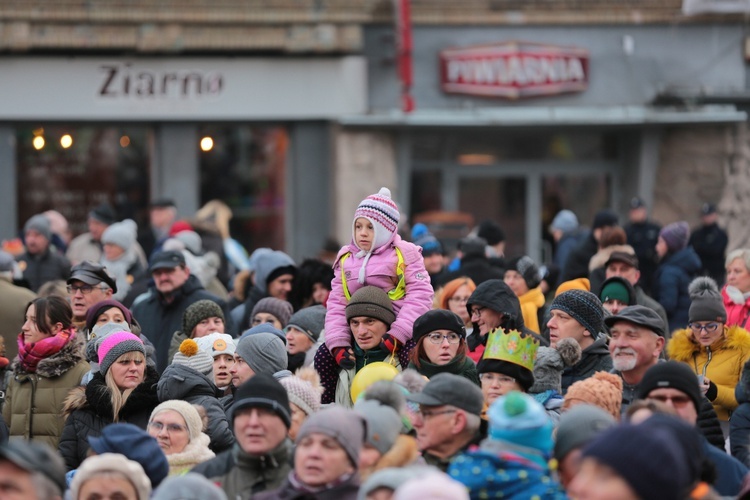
(512, 346)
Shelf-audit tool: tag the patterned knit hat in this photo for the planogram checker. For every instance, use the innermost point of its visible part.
(421, 236)
(216, 343)
(382, 212)
(675, 235)
(193, 357)
(188, 413)
(115, 346)
(281, 309)
(602, 389)
(527, 268)
(584, 307)
(372, 302)
(310, 321)
(304, 389)
(199, 311)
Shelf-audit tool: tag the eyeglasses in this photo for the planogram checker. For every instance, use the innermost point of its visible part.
(459, 300)
(677, 401)
(477, 311)
(171, 428)
(84, 289)
(495, 377)
(709, 327)
(438, 338)
(427, 413)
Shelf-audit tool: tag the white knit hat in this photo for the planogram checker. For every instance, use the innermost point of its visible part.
(188, 412)
(192, 356)
(112, 462)
(304, 389)
(123, 234)
(382, 212)
(217, 343)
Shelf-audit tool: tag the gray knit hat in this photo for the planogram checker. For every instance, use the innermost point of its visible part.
(310, 321)
(706, 301)
(281, 309)
(190, 486)
(527, 268)
(192, 356)
(263, 352)
(347, 427)
(39, 223)
(199, 311)
(114, 346)
(579, 425)
(371, 302)
(584, 307)
(383, 424)
(550, 363)
(122, 234)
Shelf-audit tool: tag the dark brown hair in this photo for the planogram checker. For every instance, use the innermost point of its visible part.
(418, 353)
(51, 310)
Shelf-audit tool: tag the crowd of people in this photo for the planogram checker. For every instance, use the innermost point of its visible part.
(169, 363)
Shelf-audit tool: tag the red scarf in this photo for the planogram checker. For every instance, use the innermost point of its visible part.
(29, 355)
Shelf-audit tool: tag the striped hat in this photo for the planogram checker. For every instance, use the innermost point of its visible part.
(382, 212)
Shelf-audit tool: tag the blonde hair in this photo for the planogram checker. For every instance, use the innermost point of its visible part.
(120, 397)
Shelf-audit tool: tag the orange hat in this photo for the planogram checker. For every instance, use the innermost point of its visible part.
(602, 389)
(576, 284)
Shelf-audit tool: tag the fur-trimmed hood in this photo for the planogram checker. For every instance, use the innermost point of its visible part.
(682, 347)
(602, 256)
(403, 452)
(66, 358)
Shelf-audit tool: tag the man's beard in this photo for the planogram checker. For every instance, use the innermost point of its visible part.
(624, 364)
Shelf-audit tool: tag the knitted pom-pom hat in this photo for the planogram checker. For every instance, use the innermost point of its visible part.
(382, 212)
(191, 355)
(115, 346)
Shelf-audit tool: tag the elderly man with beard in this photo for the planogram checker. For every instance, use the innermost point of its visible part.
(637, 340)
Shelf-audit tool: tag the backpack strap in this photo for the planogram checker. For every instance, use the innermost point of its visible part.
(397, 293)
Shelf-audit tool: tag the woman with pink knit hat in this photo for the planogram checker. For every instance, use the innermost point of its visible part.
(124, 390)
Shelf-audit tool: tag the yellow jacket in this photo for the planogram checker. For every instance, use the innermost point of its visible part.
(531, 302)
(721, 362)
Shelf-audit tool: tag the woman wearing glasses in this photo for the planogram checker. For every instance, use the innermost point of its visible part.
(714, 351)
(178, 428)
(441, 346)
(454, 297)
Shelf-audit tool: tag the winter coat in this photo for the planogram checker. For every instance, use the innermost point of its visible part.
(670, 285)
(89, 409)
(242, 476)
(643, 236)
(737, 305)
(532, 303)
(13, 302)
(330, 371)
(566, 245)
(160, 319)
(292, 489)
(730, 472)
(40, 268)
(710, 243)
(721, 363)
(595, 358)
(577, 265)
(464, 367)
(739, 424)
(552, 402)
(34, 401)
(381, 272)
(644, 300)
(196, 452)
(184, 383)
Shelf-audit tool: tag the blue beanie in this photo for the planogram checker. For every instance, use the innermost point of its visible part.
(518, 419)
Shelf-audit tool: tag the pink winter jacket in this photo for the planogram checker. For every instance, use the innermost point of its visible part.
(381, 272)
(738, 310)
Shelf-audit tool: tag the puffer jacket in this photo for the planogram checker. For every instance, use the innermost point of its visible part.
(531, 303)
(187, 384)
(89, 409)
(34, 401)
(595, 358)
(670, 285)
(721, 363)
(381, 272)
(737, 306)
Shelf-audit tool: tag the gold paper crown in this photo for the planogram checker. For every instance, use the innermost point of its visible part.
(512, 346)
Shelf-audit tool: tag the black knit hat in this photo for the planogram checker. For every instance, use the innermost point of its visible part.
(706, 301)
(491, 231)
(523, 376)
(263, 391)
(199, 311)
(584, 307)
(371, 302)
(674, 375)
(527, 268)
(438, 319)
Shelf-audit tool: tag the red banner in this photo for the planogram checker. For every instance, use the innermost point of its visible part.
(514, 70)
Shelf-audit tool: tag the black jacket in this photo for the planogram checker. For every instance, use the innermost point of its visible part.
(40, 268)
(89, 410)
(595, 358)
(577, 264)
(160, 319)
(643, 236)
(739, 424)
(710, 243)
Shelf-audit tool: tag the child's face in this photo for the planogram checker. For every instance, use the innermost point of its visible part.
(364, 234)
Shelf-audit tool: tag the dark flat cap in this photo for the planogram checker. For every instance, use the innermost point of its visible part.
(104, 214)
(36, 457)
(641, 316)
(624, 257)
(162, 203)
(450, 389)
(708, 209)
(636, 202)
(168, 259)
(92, 274)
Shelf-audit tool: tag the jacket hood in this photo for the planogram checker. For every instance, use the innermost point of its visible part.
(66, 358)
(682, 346)
(181, 382)
(685, 259)
(267, 264)
(602, 256)
(496, 295)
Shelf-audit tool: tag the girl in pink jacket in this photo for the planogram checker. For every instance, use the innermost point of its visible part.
(377, 256)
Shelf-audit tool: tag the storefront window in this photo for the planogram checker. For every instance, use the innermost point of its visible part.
(245, 167)
(73, 169)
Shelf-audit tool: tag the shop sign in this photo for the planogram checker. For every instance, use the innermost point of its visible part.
(124, 81)
(514, 70)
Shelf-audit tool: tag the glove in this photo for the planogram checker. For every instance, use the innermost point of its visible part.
(344, 357)
(712, 391)
(389, 343)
